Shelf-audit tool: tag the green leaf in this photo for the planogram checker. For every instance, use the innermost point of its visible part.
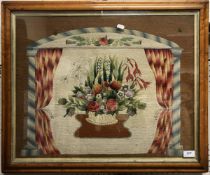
(112, 94)
(88, 80)
(80, 101)
(86, 83)
(132, 86)
(122, 74)
(96, 43)
(126, 38)
(112, 66)
(99, 112)
(110, 41)
(68, 105)
(62, 101)
(71, 99)
(77, 88)
(131, 111)
(136, 92)
(128, 103)
(110, 77)
(70, 42)
(121, 108)
(104, 73)
(141, 105)
(67, 111)
(91, 84)
(70, 111)
(95, 69)
(99, 79)
(78, 38)
(81, 108)
(74, 91)
(81, 44)
(126, 44)
(119, 77)
(136, 42)
(120, 103)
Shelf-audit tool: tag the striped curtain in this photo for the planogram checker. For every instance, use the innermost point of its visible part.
(161, 63)
(163, 133)
(46, 63)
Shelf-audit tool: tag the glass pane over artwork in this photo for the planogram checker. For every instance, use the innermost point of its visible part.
(93, 89)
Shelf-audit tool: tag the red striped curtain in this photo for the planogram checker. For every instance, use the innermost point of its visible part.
(163, 133)
(46, 63)
(161, 63)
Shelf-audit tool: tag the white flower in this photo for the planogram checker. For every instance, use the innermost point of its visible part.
(125, 88)
(102, 107)
(99, 65)
(120, 94)
(100, 60)
(98, 96)
(107, 65)
(79, 94)
(89, 97)
(104, 111)
(87, 90)
(104, 94)
(104, 100)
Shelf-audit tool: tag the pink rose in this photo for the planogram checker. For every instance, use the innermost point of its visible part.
(93, 106)
(111, 105)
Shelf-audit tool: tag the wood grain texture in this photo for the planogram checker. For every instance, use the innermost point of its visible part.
(204, 87)
(6, 89)
(105, 5)
(9, 166)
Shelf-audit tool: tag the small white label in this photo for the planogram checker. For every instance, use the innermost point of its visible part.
(120, 26)
(189, 153)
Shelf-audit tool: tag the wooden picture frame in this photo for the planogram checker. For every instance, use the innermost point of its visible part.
(178, 35)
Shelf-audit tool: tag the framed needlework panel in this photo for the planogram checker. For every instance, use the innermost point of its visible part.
(104, 86)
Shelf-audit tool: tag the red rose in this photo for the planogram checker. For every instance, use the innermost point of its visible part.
(93, 106)
(111, 105)
(97, 88)
(116, 85)
(103, 41)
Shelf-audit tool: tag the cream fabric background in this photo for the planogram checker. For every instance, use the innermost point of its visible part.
(142, 126)
(106, 173)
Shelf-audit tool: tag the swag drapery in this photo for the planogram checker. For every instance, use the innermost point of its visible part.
(46, 64)
(161, 63)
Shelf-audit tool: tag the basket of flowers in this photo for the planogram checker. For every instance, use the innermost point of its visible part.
(111, 87)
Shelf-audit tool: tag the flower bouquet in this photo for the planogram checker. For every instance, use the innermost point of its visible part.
(111, 86)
